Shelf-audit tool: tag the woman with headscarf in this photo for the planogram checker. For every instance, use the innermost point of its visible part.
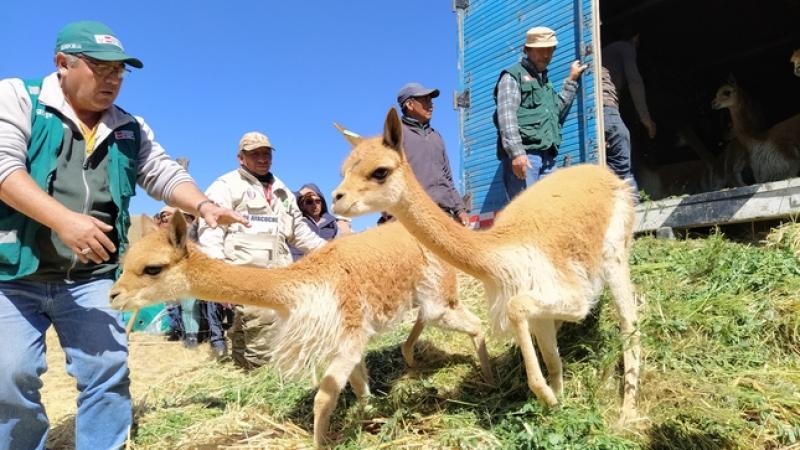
(315, 213)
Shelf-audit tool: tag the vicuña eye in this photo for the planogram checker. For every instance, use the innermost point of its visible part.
(152, 270)
(380, 174)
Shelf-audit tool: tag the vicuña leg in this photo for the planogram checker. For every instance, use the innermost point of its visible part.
(359, 382)
(463, 320)
(407, 349)
(544, 316)
(519, 309)
(336, 375)
(619, 281)
(545, 332)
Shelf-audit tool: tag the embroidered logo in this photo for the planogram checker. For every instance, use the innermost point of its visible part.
(43, 112)
(108, 39)
(123, 135)
(70, 46)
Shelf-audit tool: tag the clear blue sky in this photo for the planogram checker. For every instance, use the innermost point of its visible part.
(215, 70)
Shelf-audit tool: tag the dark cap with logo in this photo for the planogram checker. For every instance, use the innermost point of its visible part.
(94, 40)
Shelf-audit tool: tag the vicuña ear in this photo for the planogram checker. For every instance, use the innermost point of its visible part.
(148, 226)
(731, 79)
(177, 232)
(353, 138)
(393, 131)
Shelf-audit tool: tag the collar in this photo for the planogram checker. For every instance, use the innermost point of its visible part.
(275, 182)
(531, 68)
(414, 123)
(52, 96)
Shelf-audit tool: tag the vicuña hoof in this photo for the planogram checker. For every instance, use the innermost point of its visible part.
(546, 396)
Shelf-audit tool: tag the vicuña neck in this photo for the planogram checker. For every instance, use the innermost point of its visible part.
(211, 279)
(745, 124)
(462, 248)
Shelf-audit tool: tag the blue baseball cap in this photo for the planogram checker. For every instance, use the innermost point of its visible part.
(415, 90)
(94, 40)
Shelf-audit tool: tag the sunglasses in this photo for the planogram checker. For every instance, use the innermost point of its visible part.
(104, 69)
(312, 201)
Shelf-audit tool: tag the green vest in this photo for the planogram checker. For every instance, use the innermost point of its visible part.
(19, 254)
(538, 112)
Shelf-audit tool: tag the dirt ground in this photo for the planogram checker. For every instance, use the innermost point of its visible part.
(152, 361)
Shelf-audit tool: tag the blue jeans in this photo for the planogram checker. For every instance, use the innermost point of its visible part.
(175, 316)
(96, 349)
(618, 147)
(216, 333)
(543, 162)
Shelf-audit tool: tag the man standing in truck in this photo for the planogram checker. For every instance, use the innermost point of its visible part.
(530, 113)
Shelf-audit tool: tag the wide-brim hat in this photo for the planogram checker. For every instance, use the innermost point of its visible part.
(540, 37)
(95, 40)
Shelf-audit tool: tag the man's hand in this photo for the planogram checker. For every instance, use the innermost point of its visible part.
(464, 218)
(216, 215)
(651, 128)
(520, 166)
(86, 236)
(576, 70)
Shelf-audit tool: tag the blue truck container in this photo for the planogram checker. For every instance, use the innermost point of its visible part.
(491, 35)
(683, 61)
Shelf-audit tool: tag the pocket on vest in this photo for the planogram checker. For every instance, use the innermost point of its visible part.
(9, 247)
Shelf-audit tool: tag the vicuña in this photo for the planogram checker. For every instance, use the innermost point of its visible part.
(545, 259)
(330, 303)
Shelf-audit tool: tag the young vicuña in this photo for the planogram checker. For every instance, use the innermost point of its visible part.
(545, 259)
(330, 303)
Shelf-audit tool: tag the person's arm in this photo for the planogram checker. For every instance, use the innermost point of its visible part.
(163, 178)
(455, 197)
(20, 192)
(303, 237)
(569, 89)
(508, 101)
(211, 239)
(636, 87)
(77, 231)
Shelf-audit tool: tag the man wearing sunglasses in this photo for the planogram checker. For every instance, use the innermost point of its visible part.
(69, 163)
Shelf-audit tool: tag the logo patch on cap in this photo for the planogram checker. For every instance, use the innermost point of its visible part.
(72, 46)
(108, 39)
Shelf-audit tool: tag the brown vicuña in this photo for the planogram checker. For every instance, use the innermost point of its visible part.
(330, 303)
(545, 259)
(774, 154)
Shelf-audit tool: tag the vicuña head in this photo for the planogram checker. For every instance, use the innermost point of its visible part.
(796, 62)
(376, 175)
(728, 95)
(160, 256)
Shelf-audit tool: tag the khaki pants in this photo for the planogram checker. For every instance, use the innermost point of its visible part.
(250, 336)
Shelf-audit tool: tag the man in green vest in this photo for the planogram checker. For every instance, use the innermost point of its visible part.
(69, 163)
(529, 113)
